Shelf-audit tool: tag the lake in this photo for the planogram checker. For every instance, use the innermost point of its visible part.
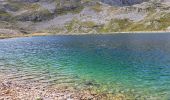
(126, 63)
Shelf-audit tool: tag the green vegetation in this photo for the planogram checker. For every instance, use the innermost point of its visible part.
(39, 99)
(88, 24)
(63, 11)
(97, 7)
(35, 16)
(68, 6)
(4, 15)
(52, 30)
(152, 23)
(80, 27)
(16, 5)
(33, 7)
(165, 21)
(120, 25)
(70, 25)
(115, 25)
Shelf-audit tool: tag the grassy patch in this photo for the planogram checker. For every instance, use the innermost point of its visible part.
(152, 23)
(115, 25)
(73, 25)
(52, 30)
(68, 6)
(33, 7)
(165, 21)
(63, 11)
(88, 24)
(35, 16)
(97, 7)
(81, 27)
(4, 15)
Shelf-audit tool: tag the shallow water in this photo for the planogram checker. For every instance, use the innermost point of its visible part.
(138, 63)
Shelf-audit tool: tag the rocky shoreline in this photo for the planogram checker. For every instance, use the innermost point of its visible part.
(2, 36)
(13, 90)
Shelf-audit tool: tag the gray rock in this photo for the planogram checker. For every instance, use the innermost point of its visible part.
(122, 2)
(30, 1)
(36, 16)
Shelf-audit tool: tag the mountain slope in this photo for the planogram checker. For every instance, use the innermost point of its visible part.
(83, 16)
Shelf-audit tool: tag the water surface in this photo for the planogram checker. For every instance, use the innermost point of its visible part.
(112, 63)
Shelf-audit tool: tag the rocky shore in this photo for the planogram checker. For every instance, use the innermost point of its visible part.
(4, 36)
(13, 90)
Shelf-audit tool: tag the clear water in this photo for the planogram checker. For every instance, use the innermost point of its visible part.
(138, 62)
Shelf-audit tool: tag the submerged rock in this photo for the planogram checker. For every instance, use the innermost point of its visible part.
(91, 83)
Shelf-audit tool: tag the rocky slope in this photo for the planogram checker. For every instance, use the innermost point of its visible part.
(83, 16)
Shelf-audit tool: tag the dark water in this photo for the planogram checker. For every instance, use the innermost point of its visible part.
(124, 62)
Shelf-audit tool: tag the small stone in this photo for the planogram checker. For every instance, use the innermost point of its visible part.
(39, 99)
(7, 92)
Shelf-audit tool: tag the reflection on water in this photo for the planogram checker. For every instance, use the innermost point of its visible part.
(139, 62)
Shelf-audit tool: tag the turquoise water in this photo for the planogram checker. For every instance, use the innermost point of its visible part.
(111, 63)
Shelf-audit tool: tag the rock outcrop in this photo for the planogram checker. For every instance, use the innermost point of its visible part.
(123, 2)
